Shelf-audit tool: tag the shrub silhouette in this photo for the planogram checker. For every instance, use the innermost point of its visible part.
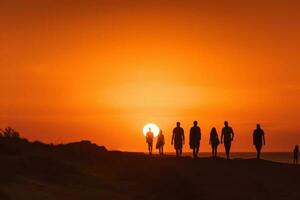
(9, 132)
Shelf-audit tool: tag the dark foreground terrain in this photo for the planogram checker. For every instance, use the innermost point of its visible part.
(85, 171)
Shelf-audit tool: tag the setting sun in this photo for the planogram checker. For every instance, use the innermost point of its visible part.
(154, 128)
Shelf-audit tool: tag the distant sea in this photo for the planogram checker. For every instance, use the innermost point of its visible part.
(284, 157)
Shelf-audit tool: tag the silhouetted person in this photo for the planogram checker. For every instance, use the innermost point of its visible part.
(214, 141)
(296, 154)
(258, 139)
(195, 137)
(160, 143)
(149, 140)
(227, 137)
(178, 139)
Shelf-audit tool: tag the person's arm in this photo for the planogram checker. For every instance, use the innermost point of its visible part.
(264, 137)
(190, 136)
(183, 139)
(172, 137)
(253, 137)
(232, 134)
(222, 135)
(199, 133)
(209, 142)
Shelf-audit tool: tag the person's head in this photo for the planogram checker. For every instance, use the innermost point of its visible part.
(296, 147)
(195, 123)
(213, 130)
(149, 129)
(160, 132)
(258, 126)
(226, 123)
(178, 124)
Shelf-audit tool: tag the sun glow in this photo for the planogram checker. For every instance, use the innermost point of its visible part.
(154, 128)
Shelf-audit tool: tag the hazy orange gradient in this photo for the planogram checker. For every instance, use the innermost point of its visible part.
(100, 70)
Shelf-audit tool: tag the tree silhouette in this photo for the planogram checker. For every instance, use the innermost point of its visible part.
(9, 132)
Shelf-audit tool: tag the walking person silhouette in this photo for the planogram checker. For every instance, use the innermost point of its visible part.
(296, 154)
(160, 143)
(258, 139)
(178, 139)
(214, 141)
(149, 140)
(227, 137)
(195, 137)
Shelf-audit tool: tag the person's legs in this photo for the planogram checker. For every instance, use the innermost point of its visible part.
(227, 149)
(216, 151)
(213, 149)
(195, 152)
(177, 152)
(161, 150)
(258, 149)
(180, 152)
(151, 149)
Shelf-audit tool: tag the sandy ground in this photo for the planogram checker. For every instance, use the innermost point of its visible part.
(116, 175)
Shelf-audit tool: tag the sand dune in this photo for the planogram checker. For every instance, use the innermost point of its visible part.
(85, 171)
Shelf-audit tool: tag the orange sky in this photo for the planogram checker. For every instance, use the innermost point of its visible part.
(100, 70)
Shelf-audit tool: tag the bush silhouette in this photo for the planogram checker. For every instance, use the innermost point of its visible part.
(9, 132)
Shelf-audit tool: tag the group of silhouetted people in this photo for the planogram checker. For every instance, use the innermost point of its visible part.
(227, 136)
(159, 144)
